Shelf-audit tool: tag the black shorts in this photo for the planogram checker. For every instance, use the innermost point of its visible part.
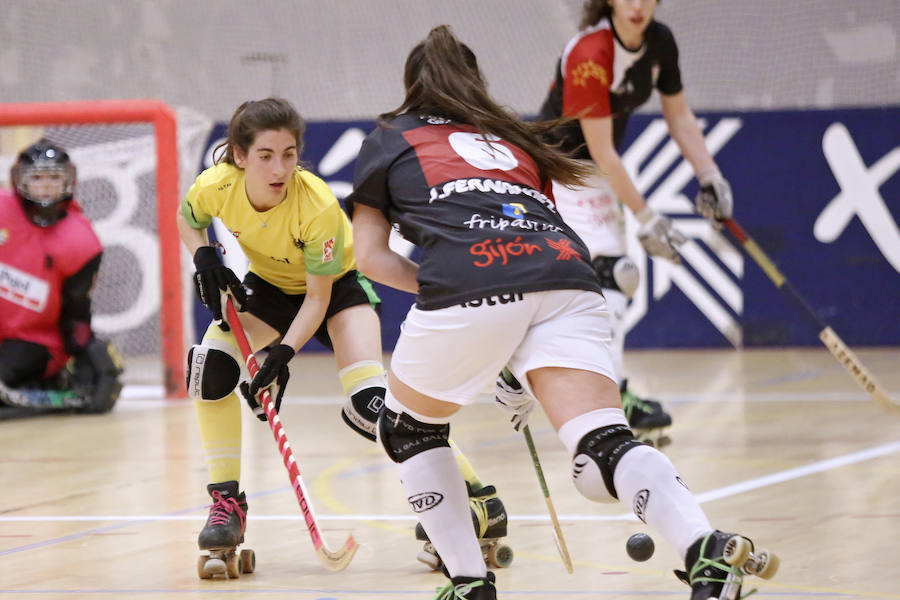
(277, 309)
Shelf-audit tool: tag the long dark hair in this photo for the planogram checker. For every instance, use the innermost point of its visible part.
(594, 10)
(254, 116)
(442, 78)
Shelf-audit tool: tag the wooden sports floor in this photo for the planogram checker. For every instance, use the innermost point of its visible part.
(779, 445)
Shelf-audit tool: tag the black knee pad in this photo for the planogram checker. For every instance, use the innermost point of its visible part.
(403, 437)
(361, 411)
(596, 458)
(212, 373)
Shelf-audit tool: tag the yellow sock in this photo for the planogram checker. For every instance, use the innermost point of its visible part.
(220, 430)
(220, 425)
(465, 467)
(361, 374)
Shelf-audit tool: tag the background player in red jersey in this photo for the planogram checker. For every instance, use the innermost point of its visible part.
(607, 70)
(49, 259)
(502, 280)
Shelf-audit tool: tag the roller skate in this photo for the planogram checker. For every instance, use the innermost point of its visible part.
(223, 532)
(716, 565)
(646, 418)
(468, 588)
(489, 519)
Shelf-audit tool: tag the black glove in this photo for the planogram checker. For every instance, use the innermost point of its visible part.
(213, 277)
(275, 368)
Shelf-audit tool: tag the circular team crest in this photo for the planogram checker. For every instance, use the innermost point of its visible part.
(475, 150)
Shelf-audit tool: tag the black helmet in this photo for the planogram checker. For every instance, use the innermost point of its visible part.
(44, 179)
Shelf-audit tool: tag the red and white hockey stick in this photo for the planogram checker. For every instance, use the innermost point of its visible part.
(333, 560)
(835, 344)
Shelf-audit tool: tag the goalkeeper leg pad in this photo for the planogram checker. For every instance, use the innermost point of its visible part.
(97, 369)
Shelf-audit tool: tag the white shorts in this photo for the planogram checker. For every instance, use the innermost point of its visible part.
(595, 213)
(454, 354)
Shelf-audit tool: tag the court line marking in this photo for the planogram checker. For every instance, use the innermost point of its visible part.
(138, 397)
(709, 496)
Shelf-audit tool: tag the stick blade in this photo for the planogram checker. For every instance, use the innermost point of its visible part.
(856, 369)
(338, 560)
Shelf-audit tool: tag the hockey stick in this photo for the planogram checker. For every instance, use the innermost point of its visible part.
(333, 560)
(557, 531)
(832, 341)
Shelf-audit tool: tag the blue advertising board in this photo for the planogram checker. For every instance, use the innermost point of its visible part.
(817, 190)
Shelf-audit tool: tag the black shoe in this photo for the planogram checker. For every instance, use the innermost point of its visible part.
(488, 514)
(713, 566)
(468, 588)
(227, 517)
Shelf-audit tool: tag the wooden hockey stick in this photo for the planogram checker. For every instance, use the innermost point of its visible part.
(832, 341)
(333, 560)
(557, 531)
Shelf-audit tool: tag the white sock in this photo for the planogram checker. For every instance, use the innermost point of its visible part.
(432, 478)
(646, 479)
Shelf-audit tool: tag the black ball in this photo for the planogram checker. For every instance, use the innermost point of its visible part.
(640, 547)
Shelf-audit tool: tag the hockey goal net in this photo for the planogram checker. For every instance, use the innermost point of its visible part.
(130, 156)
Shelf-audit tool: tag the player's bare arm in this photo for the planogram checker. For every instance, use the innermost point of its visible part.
(685, 131)
(374, 257)
(312, 311)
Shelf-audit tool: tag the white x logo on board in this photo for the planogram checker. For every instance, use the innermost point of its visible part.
(859, 194)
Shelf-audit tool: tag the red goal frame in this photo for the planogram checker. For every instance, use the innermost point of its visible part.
(162, 117)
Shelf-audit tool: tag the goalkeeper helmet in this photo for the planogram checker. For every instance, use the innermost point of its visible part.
(44, 179)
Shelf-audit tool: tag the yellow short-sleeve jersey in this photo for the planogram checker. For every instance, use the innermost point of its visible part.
(307, 232)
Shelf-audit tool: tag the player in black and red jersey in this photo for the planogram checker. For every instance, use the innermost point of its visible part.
(503, 280)
(609, 69)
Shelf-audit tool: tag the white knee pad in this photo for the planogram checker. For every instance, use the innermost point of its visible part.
(589, 480)
(213, 372)
(597, 441)
(626, 275)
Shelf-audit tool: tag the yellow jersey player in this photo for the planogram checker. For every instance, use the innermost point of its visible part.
(302, 283)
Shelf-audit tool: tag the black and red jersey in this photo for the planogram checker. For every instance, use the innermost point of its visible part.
(597, 76)
(475, 205)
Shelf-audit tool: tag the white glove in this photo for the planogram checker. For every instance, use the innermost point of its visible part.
(513, 398)
(714, 200)
(658, 235)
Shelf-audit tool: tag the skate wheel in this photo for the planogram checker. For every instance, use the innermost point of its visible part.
(210, 567)
(737, 551)
(201, 567)
(233, 565)
(500, 556)
(765, 564)
(248, 561)
(430, 559)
